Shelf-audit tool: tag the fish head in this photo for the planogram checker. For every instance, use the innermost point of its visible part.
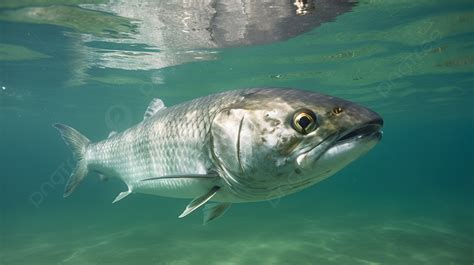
(275, 142)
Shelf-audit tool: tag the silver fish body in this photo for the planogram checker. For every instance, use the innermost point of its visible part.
(174, 141)
(237, 146)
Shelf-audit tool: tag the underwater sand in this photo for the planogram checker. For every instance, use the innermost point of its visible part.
(269, 237)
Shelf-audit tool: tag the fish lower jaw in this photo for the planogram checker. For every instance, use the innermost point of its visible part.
(343, 153)
(366, 131)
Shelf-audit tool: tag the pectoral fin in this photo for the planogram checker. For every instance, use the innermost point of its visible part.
(199, 201)
(214, 210)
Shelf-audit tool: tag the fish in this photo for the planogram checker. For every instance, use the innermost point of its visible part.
(237, 146)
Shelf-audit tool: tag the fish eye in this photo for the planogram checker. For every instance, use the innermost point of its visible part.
(304, 121)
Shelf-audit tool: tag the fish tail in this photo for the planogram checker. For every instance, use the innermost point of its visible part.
(78, 144)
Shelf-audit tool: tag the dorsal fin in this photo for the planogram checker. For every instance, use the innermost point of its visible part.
(155, 105)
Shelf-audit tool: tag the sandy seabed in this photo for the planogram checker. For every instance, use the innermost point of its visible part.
(296, 239)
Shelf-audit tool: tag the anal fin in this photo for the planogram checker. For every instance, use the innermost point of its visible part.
(122, 195)
(199, 201)
(214, 210)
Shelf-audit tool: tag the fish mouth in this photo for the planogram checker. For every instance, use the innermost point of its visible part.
(366, 134)
(372, 130)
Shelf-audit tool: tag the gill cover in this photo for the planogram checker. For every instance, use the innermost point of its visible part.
(254, 144)
(231, 140)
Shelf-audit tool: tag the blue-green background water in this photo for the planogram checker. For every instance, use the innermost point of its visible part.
(408, 201)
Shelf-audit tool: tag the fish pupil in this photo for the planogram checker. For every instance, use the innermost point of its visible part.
(304, 122)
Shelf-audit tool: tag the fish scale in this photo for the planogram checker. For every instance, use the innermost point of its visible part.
(161, 145)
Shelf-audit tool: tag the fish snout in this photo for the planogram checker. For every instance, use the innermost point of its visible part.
(357, 122)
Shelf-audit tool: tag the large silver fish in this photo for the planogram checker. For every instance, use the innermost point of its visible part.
(237, 146)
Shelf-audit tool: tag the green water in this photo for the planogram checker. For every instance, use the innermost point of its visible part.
(408, 201)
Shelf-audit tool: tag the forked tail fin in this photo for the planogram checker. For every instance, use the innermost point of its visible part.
(78, 143)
